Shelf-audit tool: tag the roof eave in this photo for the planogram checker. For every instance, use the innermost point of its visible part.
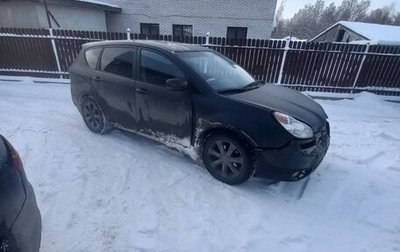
(333, 26)
(99, 6)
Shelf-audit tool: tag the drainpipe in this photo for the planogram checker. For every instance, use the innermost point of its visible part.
(47, 13)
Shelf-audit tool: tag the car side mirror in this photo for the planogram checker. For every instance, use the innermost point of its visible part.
(176, 84)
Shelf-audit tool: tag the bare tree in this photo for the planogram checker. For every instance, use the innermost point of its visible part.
(328, 17)
(279, 12)
(383, 15)
(279, 22)
(305, 22)
(313, 19)
(396, 19)
(353, 10)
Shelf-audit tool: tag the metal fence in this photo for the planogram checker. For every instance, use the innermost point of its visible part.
(327, 67)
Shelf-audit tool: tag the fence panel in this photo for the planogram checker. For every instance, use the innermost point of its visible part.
(381, 69)
(322, 66)
(332, 67)
(26, 52)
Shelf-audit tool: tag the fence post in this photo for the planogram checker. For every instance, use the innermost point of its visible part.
(128, 34)
(360, 68)
(207, 38)
(53, 43)
(287, 47)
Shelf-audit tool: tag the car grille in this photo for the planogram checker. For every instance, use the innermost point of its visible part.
(328, 129)
(323, 139)
(308, 145)
(4, 245)
(320, 142)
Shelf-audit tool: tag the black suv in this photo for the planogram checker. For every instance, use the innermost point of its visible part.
(192, 98)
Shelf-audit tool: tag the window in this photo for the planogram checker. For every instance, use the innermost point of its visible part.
(92, 56)
(149, 29)
(118, 61)
(156, 69)
(340, 35)
(236, 33)
(182, 30)
(218, 72)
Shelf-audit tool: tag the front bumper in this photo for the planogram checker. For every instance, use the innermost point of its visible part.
(294, 161)
(27, 228)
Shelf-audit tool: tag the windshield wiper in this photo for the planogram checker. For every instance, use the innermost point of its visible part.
(231, 91)
(252, 85)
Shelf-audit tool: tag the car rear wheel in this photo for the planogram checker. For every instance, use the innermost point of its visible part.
(227, 159)
(93, 116)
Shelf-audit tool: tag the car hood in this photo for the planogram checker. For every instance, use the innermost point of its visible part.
(286, 100)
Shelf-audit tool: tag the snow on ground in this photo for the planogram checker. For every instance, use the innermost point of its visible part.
(122, 192)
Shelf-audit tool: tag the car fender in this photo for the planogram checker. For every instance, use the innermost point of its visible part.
(205, 127)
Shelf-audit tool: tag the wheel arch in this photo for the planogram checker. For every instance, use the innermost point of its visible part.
(239, 135)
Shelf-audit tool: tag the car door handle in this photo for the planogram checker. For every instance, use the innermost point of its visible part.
(141, 90)
(96, 78)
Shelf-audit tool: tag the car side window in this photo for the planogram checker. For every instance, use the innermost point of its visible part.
(92, 56)
(118, 60)
(156, 68)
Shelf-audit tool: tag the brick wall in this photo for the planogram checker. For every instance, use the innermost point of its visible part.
(212, 16)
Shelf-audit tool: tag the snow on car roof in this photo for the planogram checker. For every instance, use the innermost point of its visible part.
(166, 45)
(377, 33)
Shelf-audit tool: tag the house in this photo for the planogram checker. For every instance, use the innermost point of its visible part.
(62, 14)
(345, 31)
(221, 18)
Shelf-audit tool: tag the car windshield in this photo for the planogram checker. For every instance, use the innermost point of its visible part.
(220, 74)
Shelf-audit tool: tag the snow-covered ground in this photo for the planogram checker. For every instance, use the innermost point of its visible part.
(122, 192)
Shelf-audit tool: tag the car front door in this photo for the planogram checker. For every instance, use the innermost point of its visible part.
(161, 112)
(115, 86)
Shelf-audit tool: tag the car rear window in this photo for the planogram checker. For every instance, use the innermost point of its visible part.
(92, 56)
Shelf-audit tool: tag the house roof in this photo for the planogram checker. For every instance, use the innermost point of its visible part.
(82, 3)
(375, 33)
(99, 4)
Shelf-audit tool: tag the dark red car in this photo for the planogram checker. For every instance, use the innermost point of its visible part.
(20, 220)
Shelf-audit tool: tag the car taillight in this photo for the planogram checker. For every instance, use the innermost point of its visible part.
(15, 159)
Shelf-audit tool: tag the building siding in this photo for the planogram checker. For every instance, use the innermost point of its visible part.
(33, 15)
(78, 18)
(212, 16)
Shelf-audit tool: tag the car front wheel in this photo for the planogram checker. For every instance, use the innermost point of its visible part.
(227, 159)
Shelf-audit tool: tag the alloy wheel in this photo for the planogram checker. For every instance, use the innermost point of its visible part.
(225, 158)
(92, 116)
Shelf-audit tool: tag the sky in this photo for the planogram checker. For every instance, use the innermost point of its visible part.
(292, 6)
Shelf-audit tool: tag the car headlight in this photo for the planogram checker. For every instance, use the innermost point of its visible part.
(294, 126)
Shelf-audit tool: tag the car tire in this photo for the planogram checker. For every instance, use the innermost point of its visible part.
(93, 116)
(227, 158)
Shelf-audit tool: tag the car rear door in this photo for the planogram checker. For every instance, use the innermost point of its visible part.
(114, 85)
(161, 111)
(81, 72)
